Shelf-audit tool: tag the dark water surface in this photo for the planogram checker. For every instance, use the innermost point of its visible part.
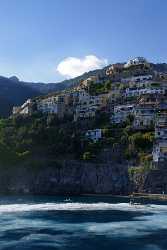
(83, 223)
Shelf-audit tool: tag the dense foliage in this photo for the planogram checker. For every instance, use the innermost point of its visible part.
(38, 138)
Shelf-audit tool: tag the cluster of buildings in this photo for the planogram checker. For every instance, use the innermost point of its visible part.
(160, 145)
(136, 90)
(87, 105)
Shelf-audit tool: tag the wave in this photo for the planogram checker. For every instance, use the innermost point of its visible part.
(74, 206)
(151, 220)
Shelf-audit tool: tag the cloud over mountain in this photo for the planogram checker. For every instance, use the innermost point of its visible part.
(73, 66)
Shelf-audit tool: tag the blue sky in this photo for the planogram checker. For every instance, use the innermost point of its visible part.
(36, 36)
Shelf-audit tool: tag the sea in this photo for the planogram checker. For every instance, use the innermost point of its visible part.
(81, 223)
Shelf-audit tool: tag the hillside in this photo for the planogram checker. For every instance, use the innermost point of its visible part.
(108, 132)
(56, 153)
(51, 87)
(14, 92)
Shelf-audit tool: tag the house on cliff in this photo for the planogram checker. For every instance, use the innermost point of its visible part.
(138, 61)
(52, 105)
(88, 105)
(94, 135)
(144, 117)
(121, 113)
(160, 151)
(26, 109)
(114, 71)
(145, 110)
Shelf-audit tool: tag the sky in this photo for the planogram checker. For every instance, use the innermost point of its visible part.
(52, 40)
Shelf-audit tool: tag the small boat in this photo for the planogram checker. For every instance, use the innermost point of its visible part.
(137, 204)
(67, 200)
(133, 203)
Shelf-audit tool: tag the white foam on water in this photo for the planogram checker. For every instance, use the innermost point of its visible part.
(146, 224)
(128, 228)
(10, 208)
(153, 218)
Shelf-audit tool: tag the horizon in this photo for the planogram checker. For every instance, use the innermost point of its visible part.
(75, 38)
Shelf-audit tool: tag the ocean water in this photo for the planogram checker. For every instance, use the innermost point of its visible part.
(82, 223)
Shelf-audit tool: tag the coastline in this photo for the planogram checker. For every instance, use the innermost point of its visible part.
(162, 197)
(139, 197)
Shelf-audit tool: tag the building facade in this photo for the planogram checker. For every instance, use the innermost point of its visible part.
(121, 113)
(137, 61)
(94, 135)
(26, 109)
(160, 145)
(144, 117)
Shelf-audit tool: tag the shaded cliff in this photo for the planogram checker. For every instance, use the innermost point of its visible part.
(71, 178)
(77, 178)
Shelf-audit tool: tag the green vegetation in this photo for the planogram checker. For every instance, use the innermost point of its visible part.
(87, 156)
(99, 88)
(42, 140)
(154, 84)
(144, 169)
(142, 141)
(139, 146)
(36, 137)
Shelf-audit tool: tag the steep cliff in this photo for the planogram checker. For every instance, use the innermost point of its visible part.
(152, 181)
(71, 178)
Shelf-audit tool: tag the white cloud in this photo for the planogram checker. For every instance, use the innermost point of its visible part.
(73, 66)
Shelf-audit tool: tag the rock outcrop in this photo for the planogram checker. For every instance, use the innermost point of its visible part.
(153, 181)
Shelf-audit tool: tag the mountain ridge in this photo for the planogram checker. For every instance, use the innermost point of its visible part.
(45, 88)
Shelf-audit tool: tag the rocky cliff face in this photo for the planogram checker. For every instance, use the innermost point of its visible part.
(72, 178)
(154, 181)
(75, 178)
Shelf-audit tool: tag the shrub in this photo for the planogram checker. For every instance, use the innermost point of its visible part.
(142, 141)
(87, 156)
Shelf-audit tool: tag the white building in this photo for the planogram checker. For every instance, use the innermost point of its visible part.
(136, 61)
(160, 151)
(132, 92)
(160, 146)
(121, 113)
(16, 110)
(52, 105)
(137, 79)
(47, 105)
(24, 109)
(88, 105)
(94, 135)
